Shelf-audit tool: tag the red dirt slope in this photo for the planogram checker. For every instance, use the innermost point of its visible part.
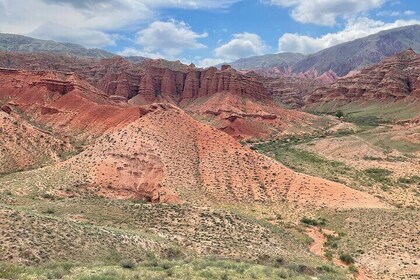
(63, 101)
(246, 117)
(167, 156)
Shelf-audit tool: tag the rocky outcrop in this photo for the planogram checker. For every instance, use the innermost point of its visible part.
(290, 91)
(155, 84)
(61, 87)
(148, 81)
(396, 78)
(290, 88)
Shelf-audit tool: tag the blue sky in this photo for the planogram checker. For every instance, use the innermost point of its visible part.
(205, 32)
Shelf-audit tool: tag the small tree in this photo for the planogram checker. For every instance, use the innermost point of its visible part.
(339, 114)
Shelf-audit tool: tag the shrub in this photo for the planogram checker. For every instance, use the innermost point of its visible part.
(346, 258)
(409, 180)
(49, 211)
(225, 276)
(313, 222)
(48, 196)
(339, 114)
(325, 268)
(329, 255)
(129, 264)
(353, 269)
(173, 253)
(332, 241)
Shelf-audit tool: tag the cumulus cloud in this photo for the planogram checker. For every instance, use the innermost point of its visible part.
(100, 17)
(189, 4)
(207, 62)
(409, 13)
(86, 37)
(354, 29)
(170, 37)
(242, 45)
(137, 52)
(326, 12)
(388, 13)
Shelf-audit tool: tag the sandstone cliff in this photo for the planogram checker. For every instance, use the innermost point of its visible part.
(146, 82)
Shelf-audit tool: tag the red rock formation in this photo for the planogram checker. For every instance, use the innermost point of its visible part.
(146, 82)
(53, 85)
(396, 77)
(290, 88)
(63, 101)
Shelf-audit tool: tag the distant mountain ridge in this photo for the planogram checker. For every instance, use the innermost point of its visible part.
(279, 60)
(20, 43)
(362, 52)
(340, 59)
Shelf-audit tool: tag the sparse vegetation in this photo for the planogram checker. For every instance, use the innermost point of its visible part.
(313, 222)
(379, 175)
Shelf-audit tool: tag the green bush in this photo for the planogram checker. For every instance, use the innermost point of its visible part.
(409, 180)
(49, 211)
(339, 114)
(346, 258)
(353, 269)
(129, 264)
(313, 222)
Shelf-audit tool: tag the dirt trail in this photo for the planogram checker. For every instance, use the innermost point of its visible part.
(317, 247)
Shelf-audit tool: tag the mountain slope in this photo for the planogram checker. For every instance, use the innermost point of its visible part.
(167, 156)
(63, 102)
(395, 78)
(280, 60)
(246, 118)
(356, 54)
(24, 146)
(19, 43)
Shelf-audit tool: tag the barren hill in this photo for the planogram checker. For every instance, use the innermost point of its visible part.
(167, 156)
(62, 101)
(247, 117)
(24, 146)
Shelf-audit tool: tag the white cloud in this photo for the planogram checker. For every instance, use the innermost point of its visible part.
(136, 52)
(98, 17)
(388, 13)
(87, 37)
(170, 37)
(189, 4)
(242, 45)
(207, 62)
(325, 12)
(354, 29)
(409, 13)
